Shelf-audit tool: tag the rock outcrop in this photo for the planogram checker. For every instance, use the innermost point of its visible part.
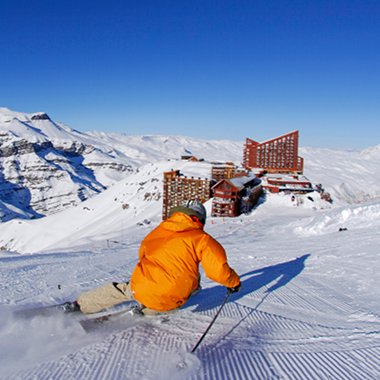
(45, 168)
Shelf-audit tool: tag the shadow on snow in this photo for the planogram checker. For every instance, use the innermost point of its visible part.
(272, 277)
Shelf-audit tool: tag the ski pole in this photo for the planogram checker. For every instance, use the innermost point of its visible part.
(213, 320)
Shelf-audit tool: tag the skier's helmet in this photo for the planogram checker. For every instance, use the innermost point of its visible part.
(191, 207)
(198, 208)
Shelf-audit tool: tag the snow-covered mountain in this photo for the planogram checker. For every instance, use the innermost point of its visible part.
(46, 166)
(349, 176)
(309, 303)
(132, 201)
(308, 308)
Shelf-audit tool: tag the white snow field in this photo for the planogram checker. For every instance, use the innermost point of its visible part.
(309, 306)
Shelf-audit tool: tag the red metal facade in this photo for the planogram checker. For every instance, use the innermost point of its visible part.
(276, 155)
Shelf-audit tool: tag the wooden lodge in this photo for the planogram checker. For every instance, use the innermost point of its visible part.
(235, 196)
(278, 155)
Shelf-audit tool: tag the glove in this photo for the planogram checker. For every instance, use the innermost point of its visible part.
(235, 289)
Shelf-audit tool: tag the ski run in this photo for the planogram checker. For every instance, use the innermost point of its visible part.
(308, 308)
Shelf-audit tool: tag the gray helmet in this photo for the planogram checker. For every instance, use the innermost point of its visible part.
(191, 207)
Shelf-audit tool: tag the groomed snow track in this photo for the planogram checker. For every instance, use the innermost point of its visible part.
(303, 330)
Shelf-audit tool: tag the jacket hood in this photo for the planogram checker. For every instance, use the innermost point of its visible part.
(180, 222)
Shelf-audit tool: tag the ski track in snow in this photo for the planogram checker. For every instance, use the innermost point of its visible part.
(289, 321)
(274, 346)
(308, 307)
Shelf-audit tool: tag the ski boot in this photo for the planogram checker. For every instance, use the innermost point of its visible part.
(70, 307)
(137, 310)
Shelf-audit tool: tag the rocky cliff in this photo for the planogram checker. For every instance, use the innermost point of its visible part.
(45, 167)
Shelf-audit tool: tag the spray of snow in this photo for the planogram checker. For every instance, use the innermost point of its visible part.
(25, 342)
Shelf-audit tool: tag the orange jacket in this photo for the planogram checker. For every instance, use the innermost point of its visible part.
(167, 271)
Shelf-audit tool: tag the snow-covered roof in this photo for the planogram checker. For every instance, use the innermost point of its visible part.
(239, 182)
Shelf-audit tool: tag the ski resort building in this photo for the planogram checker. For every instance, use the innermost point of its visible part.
(232, 196)
(227, 170)
(179, 188)
(273, 165)
(191, 158)
(297, 184)
(235, 196)
(278, 155)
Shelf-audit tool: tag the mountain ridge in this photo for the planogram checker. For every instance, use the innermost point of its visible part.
(52, 167)
(46, 166)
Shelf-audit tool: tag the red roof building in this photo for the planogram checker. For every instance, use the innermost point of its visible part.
(276, 183)
(235, 196)
(227, 170)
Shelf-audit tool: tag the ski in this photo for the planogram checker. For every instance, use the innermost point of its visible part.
(93, 321)
(128, 316)
(44, 310)
(117, 317)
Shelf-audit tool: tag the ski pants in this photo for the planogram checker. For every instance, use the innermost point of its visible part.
(109, 295)
(105, 296)
(113, 294)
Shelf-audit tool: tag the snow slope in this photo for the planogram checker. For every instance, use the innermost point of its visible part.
(144, 149)
(67, 166)
(100, 218)
(349, 176)
(46, 167)
(103, 217)
(139, 149)
(309, 307)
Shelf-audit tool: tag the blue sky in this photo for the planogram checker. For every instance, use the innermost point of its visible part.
(201, 68)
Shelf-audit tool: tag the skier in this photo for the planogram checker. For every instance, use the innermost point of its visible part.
(168, 269)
